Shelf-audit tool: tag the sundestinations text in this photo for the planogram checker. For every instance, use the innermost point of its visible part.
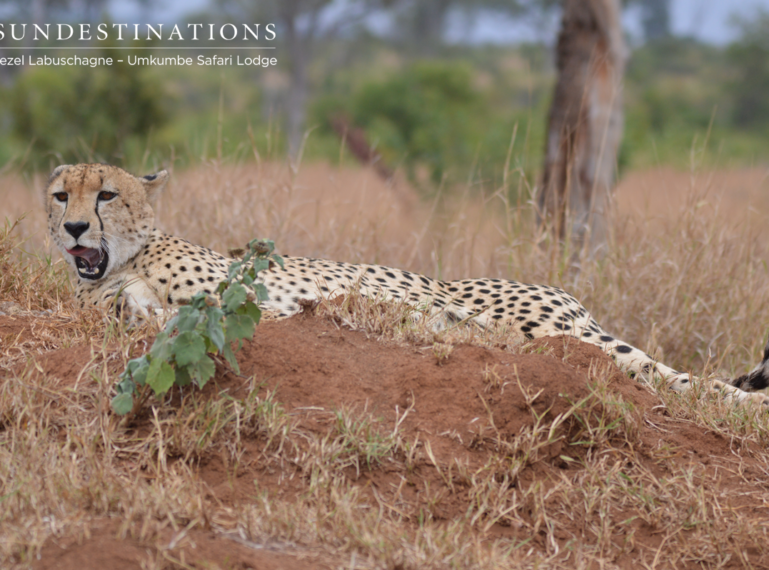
(86, 32)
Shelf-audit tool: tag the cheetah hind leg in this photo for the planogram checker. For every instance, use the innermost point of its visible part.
(740, 390)
(721, 388)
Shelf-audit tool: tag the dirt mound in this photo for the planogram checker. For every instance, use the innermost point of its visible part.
(310, 362)
(456, 408)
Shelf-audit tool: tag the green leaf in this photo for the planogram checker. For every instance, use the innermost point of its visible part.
(122, 404)
(214, 326)
(135, 372)
(160, 376)
(188, 348)
(261, 293)
(198, 300)
(251, 310)
(161, 348)
(234, 297)
(204, 370)
(238, 326)
(278, 259)
(261, 265)
(234, 268)
(183, 377)
(135, 364)
(126, 386)
(188, 318)
(140, 376)
(171, 325)
(230, 356)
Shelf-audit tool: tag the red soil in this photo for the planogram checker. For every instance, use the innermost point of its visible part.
(462, 405)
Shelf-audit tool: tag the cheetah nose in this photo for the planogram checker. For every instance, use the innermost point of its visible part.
(76, 229)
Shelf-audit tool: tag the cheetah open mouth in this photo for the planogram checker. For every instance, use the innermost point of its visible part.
(91, 263)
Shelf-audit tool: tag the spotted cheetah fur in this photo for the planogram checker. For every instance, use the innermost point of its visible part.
(102, 220)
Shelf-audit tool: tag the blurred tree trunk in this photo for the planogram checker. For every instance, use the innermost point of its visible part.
(656, 19)
(425, 22)
(296, 101)
(585, 122)
(304, 23)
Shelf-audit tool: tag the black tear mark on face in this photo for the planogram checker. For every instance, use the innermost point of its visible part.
(151, 177)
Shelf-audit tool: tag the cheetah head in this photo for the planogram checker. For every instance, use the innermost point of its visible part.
(100, 216)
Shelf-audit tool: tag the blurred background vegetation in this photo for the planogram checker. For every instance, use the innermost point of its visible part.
(438, 107)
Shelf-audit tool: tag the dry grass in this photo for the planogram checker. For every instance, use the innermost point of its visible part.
(687, 284)
(692, 289)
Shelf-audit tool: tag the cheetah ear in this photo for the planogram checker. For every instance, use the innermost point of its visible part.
(154, 184)
(54, 175)
(56, 171)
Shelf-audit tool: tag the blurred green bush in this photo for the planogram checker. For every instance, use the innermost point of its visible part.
(80, 113)
(422, 115)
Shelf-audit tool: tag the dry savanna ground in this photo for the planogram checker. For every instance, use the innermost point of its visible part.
(355, 437)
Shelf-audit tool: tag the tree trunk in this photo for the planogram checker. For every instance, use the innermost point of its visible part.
(585, 122)
(297, 95)
(656, 19)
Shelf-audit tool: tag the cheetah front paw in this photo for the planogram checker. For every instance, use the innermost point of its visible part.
(136, 303)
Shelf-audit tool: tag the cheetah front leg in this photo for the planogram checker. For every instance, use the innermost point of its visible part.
(133, 299)
(140, 300)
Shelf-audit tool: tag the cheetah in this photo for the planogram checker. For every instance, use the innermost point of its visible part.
(102, 220)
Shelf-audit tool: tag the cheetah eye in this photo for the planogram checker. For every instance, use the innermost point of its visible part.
(61, 196)
(104, 195)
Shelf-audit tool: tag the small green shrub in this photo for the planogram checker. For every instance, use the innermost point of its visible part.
(207, 326)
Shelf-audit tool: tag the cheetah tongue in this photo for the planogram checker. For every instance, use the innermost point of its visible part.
(88, 254)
